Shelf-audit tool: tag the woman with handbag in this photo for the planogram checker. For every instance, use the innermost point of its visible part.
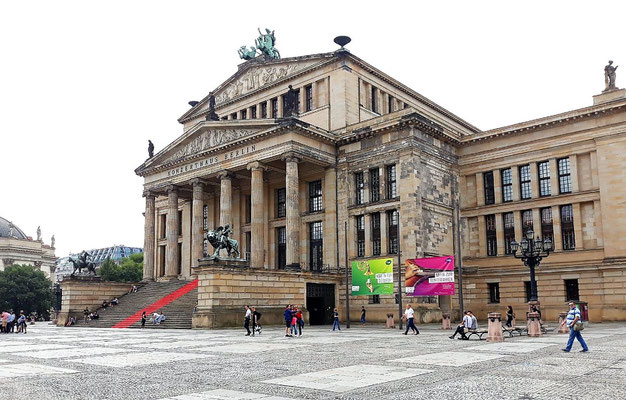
(575, 326)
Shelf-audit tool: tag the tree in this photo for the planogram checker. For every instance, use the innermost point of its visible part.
(22, 287)
(130, 269)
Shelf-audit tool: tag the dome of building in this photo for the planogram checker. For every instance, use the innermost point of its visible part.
(5, 229)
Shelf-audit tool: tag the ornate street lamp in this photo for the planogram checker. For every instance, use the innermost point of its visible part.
(531, 253)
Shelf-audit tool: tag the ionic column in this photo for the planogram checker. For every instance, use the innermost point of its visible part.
(197, 232)
(292, 209)
(148, 244)
(171, 233)
(226, 197)
(257, 239)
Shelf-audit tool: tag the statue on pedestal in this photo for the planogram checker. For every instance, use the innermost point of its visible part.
(212, 115)
(219, 239)
(291, 102)
(150, 149)
(609, 77)
(39, 233)
(83, 263)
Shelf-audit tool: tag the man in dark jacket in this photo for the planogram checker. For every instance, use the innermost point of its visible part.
(288, 318)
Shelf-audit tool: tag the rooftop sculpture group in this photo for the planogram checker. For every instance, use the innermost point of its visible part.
(264, 44)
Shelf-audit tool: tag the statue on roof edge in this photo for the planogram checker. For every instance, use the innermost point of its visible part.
(609, 76)
(212, 115)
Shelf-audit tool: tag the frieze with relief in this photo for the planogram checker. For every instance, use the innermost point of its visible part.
(256, 78)
(209, 139)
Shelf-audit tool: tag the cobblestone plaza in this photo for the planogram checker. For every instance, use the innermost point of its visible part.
(357, 363)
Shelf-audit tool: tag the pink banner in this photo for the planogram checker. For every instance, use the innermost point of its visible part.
(429, 276)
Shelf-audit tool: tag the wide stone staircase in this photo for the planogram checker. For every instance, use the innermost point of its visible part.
(150, 296)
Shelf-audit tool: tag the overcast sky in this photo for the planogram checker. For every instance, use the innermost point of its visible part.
(84, 85)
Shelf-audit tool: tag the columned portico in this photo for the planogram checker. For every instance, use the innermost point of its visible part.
(148, 245)
(292, 206)
(172, 251)
(197, 233)
(257, 237)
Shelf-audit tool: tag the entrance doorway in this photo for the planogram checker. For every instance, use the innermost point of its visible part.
(320, 301)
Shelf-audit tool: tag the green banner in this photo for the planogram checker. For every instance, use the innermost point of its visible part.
(372, 277)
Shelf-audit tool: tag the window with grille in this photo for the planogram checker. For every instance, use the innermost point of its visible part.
(524, 182)
(392, 231)
(543, 169)
(567, 227)
(274, 104)
(281, 199)
(253, 112)
(507, 185)
(315, 196)
(374, 299)
(571, 289)
(490, 197)
(547, 231)
(374, 185)
(509, 231)
(248, 245)
(392, 190)
(315, 245)
(359, 187)
(376, 234)
(389, 103)
(494, 292)
(527, 221)
(308, 93)
(360, 236)
(492, 242)
(374, 99)
(205, 218)
(244, 114)
(264, 109)
(565, 179)
(281, 247)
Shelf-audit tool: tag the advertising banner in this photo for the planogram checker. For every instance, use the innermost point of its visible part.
(432, 276)
(372, 277)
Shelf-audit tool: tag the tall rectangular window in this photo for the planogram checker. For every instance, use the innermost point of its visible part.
(264, 109)
(315, 245)
(392, 189)
(374, 299)
(492, 242)
(253, 112)
(527, 221)
(180, 222)
(374, 99)
(392, 231)
(374, 185)
(274, 104)
(308, 93)
(248, 245)
(281, 247)
(547, 231)
(543, 169)
(565, 179)
(248, 209)
(524, 182)
(233, 116)
(281, 201)
(376, 234)
(359, 187)
(507, 185)
(571, 289)
(244, 114)
(509, 231)
(389, 103)
(494, 292)
(205, 218)
(567, 227)
(490, 197)
(315, 196)
(360, 235)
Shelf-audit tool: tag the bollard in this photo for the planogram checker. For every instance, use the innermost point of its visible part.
(534, 325)
(445, 321)
(390, 323)
(562, 323)
(494, 331)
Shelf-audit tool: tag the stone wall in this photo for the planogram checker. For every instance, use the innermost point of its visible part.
(89, 292)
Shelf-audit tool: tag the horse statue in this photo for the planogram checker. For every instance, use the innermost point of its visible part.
(83, 263)
(246, 54)
(265, 44)
(219, 240)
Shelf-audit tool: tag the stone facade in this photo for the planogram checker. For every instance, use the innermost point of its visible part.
(373, 166)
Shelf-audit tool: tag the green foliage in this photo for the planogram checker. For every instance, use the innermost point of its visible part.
(130, 269)
(23, 287)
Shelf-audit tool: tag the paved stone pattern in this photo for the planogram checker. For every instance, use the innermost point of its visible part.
(360, 363)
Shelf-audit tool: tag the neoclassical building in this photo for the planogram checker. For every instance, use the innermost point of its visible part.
(18, 248)
(369, 164)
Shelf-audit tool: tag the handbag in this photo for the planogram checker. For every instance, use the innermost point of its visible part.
(579, 327)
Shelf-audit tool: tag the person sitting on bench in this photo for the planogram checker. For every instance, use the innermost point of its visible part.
(463, 326)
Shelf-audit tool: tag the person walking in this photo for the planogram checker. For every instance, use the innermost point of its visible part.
(256, 316)
(575, 326)
(336, 320)
(299, 320)
(509, 316)
(363, 315)
(246, 320)
(143, 319)
(409, 315)
(287, 315)
(11, 321)
(21, 322)
(5, 321)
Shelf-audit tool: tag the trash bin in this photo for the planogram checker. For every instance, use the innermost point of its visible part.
(584, 310)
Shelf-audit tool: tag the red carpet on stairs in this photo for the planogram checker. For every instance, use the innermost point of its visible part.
(157, 304)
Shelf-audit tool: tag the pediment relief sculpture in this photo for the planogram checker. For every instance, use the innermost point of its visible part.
(209, 139)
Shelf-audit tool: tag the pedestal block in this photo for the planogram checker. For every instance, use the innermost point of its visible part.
(534, 324)
(562, 323)
(445, 321)
(494, 331)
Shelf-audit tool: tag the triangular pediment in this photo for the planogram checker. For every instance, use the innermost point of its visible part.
(257, 74)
